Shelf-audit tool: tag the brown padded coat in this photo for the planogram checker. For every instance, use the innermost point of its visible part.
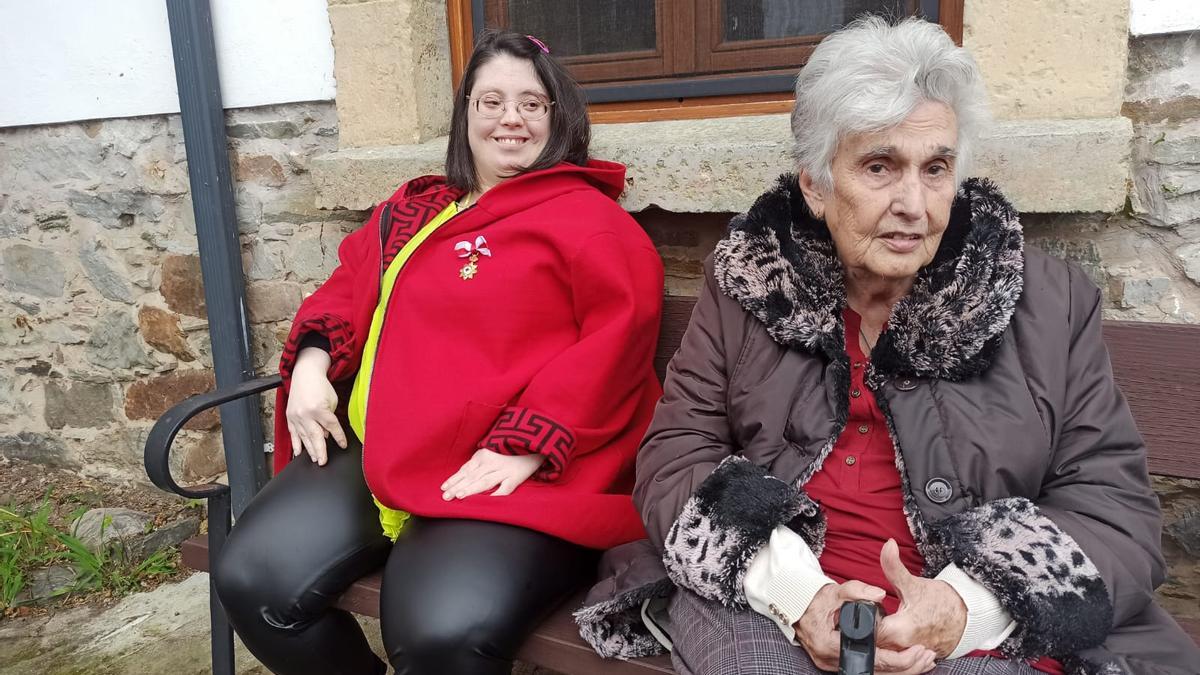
(1018, 455)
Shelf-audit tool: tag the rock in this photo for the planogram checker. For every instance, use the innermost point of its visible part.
(131, 532)
(182, 285)
(1142, 292)
(1085, 253)
(97, 528)
(160, 329)
(46, 584)
(12, 224)
(1190, 255)
(274, 129)
(52, 220)
(149, 398)
(101, 270)
(62, 334)
(35, 447)
(117, 210)
(262, 263)
(10, 401)
(167, 536)
(260, 169)
(34, 271)
(312, 256)
(81, 405)
(39, 368)
(202, 458)
(273, 301)
(114, 343)
(1186, 532)
(249, 209)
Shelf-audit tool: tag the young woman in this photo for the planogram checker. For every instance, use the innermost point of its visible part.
(492, 332)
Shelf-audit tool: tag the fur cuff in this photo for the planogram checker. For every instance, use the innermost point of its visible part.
(614, 627)
(1076, 665)
(726, 521)
(1037, 571)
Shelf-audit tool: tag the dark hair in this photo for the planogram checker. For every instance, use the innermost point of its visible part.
(570, 131)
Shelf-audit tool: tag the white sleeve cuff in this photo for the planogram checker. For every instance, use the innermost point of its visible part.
(782, 579)
(988, 623)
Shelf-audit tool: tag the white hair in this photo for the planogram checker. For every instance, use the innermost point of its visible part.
(870, 76)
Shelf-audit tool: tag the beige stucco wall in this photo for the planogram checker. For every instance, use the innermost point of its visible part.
(1058, 60)
(392, 64)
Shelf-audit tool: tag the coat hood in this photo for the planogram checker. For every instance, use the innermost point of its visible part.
(523, 191)
(778, 262)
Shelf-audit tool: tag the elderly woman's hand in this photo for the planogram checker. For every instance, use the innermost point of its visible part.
(486, 470)
(817, 632)
(311, 402)
(931, 612)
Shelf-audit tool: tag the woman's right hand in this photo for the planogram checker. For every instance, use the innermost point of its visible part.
(817, 632)
(311, 402)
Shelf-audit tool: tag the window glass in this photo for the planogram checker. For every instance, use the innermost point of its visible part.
(583, 27)
(745, 20)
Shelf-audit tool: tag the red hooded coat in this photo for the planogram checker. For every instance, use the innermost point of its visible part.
(547, 349)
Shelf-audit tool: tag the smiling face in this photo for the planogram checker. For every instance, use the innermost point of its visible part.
(500, 146)
(891, 195)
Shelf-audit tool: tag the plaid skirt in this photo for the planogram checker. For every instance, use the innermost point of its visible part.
(710, 639)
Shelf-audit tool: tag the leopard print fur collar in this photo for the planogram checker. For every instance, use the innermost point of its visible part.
(778, 262)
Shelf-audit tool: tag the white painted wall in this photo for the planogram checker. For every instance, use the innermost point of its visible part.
(1163, 16)
(63, 60)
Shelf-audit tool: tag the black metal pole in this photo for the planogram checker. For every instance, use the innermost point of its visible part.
(216, 232)
(222, 633)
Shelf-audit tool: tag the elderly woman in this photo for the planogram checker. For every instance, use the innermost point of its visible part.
(884, 396)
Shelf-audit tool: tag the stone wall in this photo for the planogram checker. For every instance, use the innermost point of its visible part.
(102, 317)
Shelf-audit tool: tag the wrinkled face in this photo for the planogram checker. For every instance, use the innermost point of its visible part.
(503, 144)
(891, 196)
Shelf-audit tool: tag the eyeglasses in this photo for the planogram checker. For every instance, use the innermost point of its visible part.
(492, 106)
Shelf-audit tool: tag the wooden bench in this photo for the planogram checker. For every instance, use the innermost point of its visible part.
(1157, 366)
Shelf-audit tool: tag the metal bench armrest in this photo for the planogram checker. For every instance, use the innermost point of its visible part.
(162, 434)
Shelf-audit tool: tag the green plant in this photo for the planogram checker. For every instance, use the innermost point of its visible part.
(30, 541)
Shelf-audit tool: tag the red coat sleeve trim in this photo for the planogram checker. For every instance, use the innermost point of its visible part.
(524, 431)
(337, 330)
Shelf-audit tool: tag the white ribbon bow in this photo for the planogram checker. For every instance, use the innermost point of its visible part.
(480, 246)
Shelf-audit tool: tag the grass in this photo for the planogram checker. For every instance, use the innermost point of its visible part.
(30, 541)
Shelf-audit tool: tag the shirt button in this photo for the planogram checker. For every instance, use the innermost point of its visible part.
(850, 460)
(856, 393)
(906, 384)
(858, 364)
(862, 428)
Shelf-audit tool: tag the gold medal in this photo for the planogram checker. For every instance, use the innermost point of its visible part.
(468, 271)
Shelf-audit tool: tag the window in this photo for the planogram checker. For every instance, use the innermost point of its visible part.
(645, 55)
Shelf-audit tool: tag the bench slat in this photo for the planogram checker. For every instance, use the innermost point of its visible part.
(1158, 368)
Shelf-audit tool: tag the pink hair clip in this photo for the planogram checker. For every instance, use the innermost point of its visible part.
(541, 45)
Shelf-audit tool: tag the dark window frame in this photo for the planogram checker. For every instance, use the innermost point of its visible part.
(729, 84)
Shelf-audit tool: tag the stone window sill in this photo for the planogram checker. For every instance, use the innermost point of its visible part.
(721, 165)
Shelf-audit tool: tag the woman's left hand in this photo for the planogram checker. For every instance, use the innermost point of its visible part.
(486, 470)
(931, 612)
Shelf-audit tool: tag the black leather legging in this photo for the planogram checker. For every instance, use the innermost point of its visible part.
(458, 596)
